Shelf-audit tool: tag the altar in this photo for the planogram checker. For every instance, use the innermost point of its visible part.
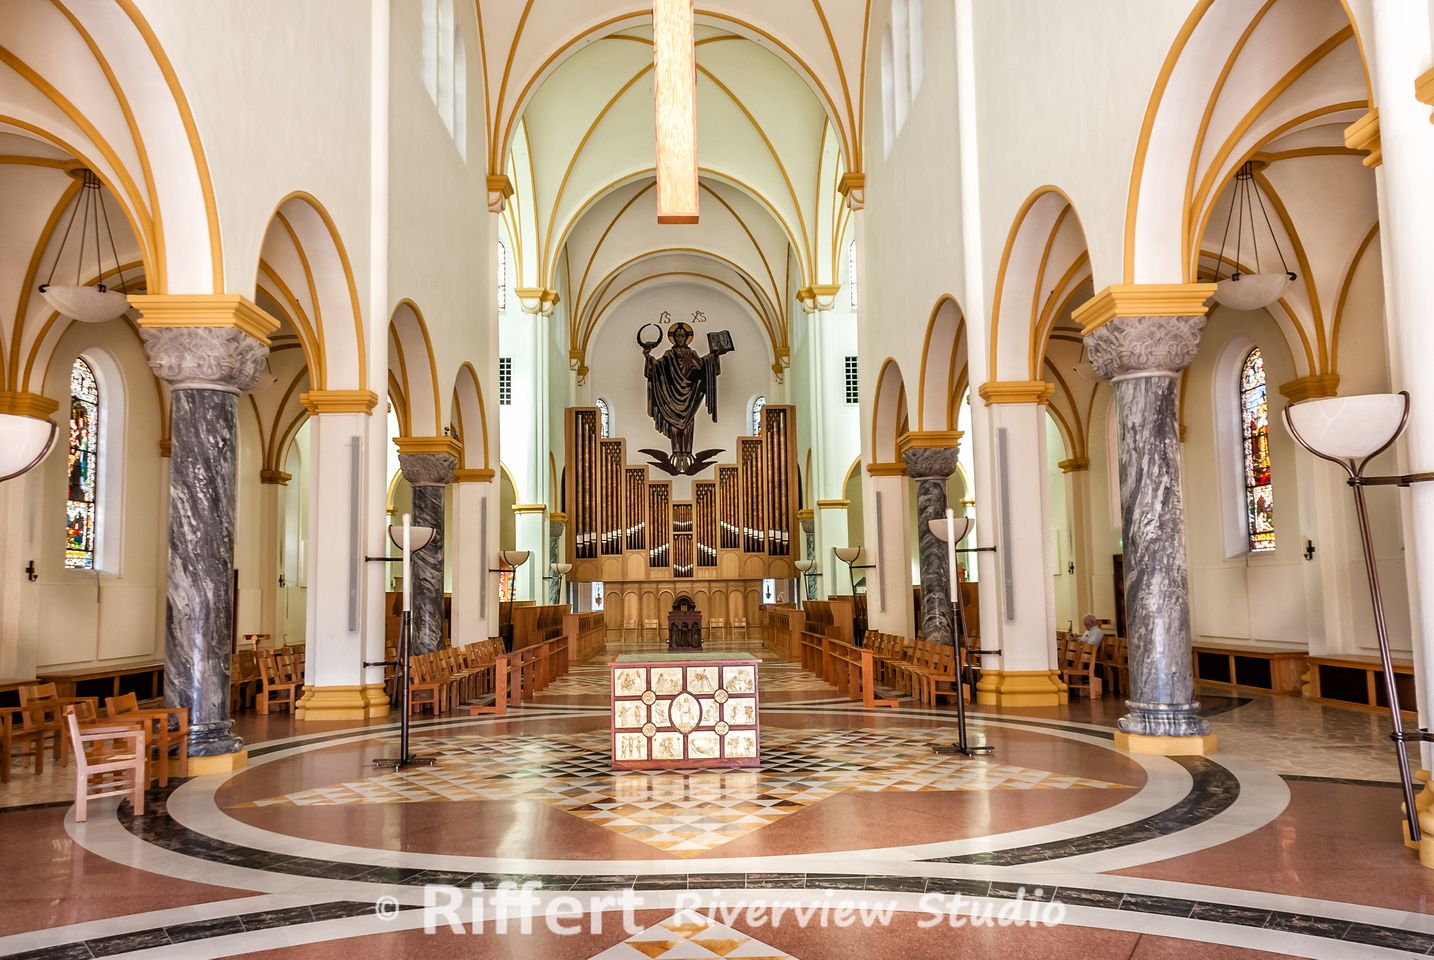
(683, 711)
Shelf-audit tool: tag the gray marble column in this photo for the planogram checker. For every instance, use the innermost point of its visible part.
(428, 474)
(206, 368)
(1143, 356)
(555, 582)
(931, 467)
(809, 533)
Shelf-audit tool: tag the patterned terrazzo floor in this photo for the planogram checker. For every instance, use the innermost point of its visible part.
(682, 813)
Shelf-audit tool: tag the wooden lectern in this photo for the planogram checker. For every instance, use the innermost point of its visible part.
(684, 625)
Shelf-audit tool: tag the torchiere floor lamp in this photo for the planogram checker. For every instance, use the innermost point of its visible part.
(1352, 431)
(953, 530)
(407, 538)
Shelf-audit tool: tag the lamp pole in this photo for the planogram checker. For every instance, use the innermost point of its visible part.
(1354, 468)
(405, 631)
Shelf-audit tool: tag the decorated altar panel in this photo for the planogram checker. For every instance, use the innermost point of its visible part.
(685, 710)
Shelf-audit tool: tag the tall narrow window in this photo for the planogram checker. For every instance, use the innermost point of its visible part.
(758, 403)
(604, 417)
(502, 274)
(81, 501)
(1255, 430)
(505, 381)
(851, 272)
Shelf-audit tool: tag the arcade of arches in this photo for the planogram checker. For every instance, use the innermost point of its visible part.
(278, 278)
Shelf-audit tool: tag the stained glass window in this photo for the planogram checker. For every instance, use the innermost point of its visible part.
(83, 477)
(605, 417)
(1255, 429)
(757, 406)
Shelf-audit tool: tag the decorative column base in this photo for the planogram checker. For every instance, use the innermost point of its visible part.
(1021, 688)
(219, 763)
(1424, 804)
(342, 703)
(1191, 746)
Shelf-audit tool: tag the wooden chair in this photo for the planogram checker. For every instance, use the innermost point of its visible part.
(243, 680)
(115, 755)
(738, 623)
(1081, 675)
(50, 719)
(11, 733)
(274, 689)
(426, 687)
(166, 728)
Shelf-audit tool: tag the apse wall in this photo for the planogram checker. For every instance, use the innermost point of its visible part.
(616, 365)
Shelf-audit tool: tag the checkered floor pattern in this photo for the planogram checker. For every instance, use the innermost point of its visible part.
(596, 680)
(686, 814)
(691, 935)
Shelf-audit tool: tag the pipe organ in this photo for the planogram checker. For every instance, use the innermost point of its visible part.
(626, 526)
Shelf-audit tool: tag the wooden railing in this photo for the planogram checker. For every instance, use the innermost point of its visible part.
(534, 624)
(586, 633)
(852, 670)
(784, 631)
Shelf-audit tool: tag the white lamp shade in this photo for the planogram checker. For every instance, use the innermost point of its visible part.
(963, 525)
(848, 554)
(419, 537)
(1252, 291)
(803, 566)
(1348, 428)
(24, 442)
(514, 558)
(562, 569)
(86, 304)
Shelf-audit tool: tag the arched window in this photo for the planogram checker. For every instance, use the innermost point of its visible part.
(81, 498)
(758, 402)
(604, 417)
(1255, 432)
(502, 274)
(851, 271)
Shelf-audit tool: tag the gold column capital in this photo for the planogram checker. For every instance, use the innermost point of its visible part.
(480, 475)
(1363, 134)
(886, 469)
(1016, 391)
(928, 439)
(1312, 387)
(500, 188)
(221, 310)
(830, 505)
(1074, 464)
(338, 401)
(1142, 300)
(278, 477)
(449, 445)
(852, 186)
(37, 406)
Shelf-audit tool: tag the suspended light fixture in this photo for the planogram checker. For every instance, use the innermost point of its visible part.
(88, 304)
(1249, 291)
(674, 84)
(24, 442)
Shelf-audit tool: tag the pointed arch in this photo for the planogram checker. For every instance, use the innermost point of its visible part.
(412, 361)
(888, 413)
(470, 416)
(943, 364)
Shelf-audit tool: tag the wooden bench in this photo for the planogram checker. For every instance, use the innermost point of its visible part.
(1273, 669)
(1358, 682)
(145, 680)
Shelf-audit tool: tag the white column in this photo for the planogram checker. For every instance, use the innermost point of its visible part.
(1019, 617)
(833, 531)
(1406, 214)
(472, 553)
(887, 505)
(272, 491)
(343, 622)
(530, 531)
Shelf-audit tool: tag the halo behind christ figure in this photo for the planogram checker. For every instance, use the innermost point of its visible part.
(679, 325)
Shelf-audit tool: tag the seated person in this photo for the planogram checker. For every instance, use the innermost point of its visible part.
(1093, 634)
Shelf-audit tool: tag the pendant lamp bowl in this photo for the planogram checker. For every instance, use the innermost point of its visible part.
(94, 302)
(1252, 291)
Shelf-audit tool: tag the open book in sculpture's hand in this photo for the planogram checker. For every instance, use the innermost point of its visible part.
(720, 342)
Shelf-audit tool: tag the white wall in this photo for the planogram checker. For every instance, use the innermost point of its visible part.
(617, 374)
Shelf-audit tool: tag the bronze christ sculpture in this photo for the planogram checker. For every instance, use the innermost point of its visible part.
(678, 384)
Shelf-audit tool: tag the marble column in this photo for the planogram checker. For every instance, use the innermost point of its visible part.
(809, 536)
(556, 527)
(1143, 357)
(931, 468)
(206, 368)
(428, 474)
